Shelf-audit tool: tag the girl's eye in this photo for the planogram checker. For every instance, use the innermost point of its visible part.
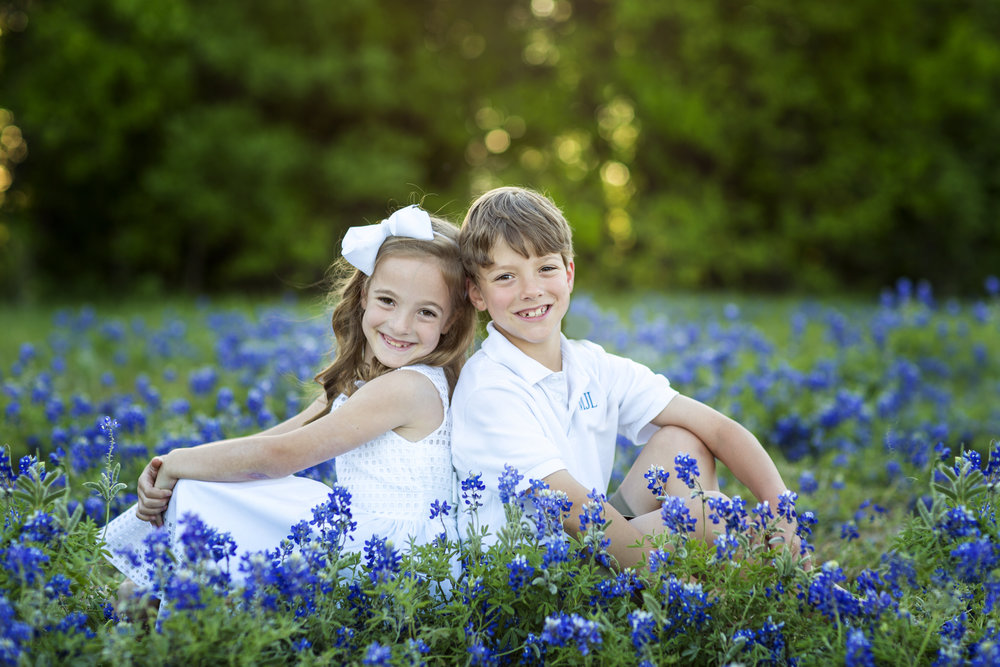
(428, 313)
(385, 300)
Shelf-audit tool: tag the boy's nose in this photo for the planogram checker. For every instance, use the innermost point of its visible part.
(530, 289)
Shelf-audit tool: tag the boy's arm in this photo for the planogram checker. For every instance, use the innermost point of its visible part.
(624, 537)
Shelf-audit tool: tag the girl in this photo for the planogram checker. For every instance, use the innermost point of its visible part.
(403, 327)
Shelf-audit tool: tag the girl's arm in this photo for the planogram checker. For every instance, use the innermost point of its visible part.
(152, 501)
(406, 402)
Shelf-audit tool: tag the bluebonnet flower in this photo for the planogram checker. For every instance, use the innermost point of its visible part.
(900, 567)
(23, 562)
(439, 508)
(677, 517)
(793, 437)
(762, 514)
(807, 483)
(507, 483)
(849, 531)
(959, 522)
(183, 590)
(480, 654)
(769, 637)
(786, 506)
(179, 406)
(133, 418)
(657, 478)
(334, 520)
(377, 655)
(643, 628)
(551, 507)
(472, 491)
(224, 399)
(622, 586)
(827, 597)
(975, 560)
(14, 634)
(730, 511)
(58, 586)
(859, 649)
(40, 527)
(659, 559)
(564, 630)
(202, 380)
(687, 469)
(382, 560)
(686, 606)
(726, 546)
(520, 572)
(301, 645)
(556, 550)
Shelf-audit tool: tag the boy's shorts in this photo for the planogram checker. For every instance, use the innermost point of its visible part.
(618, 502)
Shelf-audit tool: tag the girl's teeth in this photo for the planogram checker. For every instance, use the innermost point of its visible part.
(536, 312)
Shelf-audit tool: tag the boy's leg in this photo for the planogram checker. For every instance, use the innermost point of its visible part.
(634, 494)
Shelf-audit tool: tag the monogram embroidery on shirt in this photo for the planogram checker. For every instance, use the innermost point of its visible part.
(586, 402)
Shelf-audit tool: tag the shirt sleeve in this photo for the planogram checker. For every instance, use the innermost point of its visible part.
(497, 426)
(641, 395)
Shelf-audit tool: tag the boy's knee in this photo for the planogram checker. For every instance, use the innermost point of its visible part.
(670, 441)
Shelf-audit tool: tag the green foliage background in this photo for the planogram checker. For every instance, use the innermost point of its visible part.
(152, 145)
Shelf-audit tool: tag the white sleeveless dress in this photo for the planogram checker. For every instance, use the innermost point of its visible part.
(392, 483)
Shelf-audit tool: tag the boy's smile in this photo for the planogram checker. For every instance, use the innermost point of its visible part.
(527, 298)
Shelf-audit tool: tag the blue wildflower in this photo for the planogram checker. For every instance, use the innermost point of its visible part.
(657, 478)
(563, 630)
(507, 483)
(382, 561)
(439, 508)
(377, 655)
(677, 517)
(23, 562)
(520, 573)
(687, 469)
(643, 628)
(859, 650)
(472, 491)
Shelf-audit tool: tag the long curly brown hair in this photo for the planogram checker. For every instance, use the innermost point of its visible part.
(349, 366)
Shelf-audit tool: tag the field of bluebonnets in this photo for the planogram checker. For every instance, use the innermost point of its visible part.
(883, 417)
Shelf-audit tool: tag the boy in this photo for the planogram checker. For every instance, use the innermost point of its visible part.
(552, 407)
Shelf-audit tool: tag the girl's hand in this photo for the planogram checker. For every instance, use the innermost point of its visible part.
(153, 498)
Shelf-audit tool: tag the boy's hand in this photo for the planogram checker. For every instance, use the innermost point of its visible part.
(153, 498)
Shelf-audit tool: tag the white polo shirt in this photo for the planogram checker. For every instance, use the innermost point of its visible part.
(510, 409)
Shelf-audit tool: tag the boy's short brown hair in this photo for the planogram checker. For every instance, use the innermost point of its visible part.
(525, 220)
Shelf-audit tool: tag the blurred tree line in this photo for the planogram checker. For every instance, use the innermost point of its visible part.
(151, 145)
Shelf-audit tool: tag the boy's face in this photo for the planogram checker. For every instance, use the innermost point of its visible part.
(527, 298)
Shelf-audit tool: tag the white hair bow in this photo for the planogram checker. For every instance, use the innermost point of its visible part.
(361, 244)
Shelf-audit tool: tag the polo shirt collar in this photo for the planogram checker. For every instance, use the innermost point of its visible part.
(499, 349)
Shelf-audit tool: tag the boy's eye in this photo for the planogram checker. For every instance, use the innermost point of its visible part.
(503, 276)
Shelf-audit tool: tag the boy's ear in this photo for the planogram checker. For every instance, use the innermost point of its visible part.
(475, 295)
(570, 273)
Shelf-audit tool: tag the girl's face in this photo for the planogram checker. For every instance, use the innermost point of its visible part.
(406, 310)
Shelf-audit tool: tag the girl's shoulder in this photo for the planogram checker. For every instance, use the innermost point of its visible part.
(435, 374)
